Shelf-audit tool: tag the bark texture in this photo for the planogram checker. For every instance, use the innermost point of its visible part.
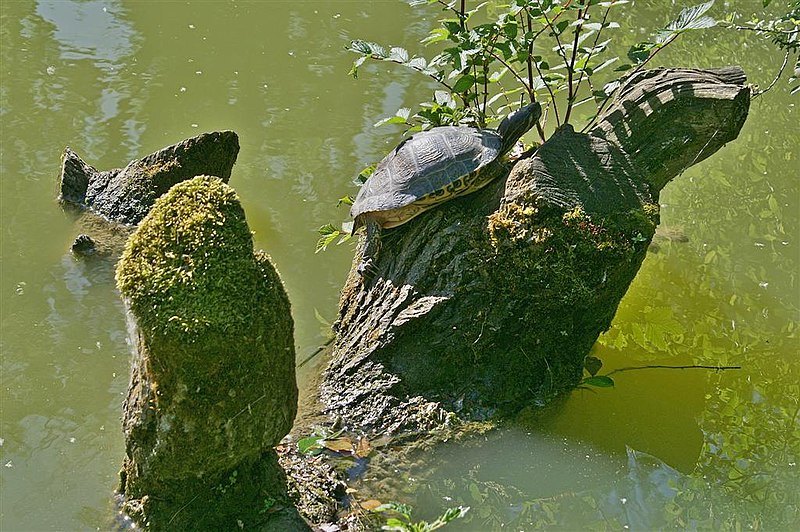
(492, 301)
(125, 195)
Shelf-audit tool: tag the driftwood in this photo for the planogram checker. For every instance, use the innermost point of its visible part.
(492, 301)
(125, 195)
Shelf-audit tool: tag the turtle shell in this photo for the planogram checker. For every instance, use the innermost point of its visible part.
(425, 169)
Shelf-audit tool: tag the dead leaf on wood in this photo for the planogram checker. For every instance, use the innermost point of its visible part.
(370, 504)
(363, 449)
(339, 445)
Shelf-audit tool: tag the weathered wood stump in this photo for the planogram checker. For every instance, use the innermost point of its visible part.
(125, 195)
(213, 383)
(492, 301)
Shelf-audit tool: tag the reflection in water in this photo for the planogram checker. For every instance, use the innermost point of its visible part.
(96, 32)
(92, 30)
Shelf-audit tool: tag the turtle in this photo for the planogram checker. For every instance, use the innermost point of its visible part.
(432, 167)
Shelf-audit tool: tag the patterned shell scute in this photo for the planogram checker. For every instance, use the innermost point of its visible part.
(424, 163)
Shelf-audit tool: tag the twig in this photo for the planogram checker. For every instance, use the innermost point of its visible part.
(591, 52)
(571, 67)
(777, 77)
(315, 353)
(182, 508)
(658, 366)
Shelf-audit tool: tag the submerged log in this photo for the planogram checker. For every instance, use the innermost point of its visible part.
(125, 195)
(213, 383)
(492, 301)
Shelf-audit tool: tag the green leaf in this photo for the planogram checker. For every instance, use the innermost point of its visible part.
(329, 234)
(692, 18)
(309, 445)
(400, 117)
(365, 174)
(436, 35)
(464, 83)
(354, 69)
(497, 75)
(638, 53)
(510, 30)
(600, 381)
(399, 54)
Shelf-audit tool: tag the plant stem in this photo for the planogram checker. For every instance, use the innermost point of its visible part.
(777, 77)
(627, 78)
(591, 52)
(552, 96)
(572, 91)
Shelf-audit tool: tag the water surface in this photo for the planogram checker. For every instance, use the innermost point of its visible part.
(117, 80)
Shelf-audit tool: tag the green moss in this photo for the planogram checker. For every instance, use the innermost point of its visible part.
(214, 380)
(189, 269)
(569, 271)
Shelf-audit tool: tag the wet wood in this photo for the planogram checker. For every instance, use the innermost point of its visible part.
(491, 302)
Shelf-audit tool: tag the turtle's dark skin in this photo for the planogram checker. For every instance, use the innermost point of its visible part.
(430, 168)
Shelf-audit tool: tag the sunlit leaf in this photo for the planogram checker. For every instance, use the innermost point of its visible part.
(364, 174)
(339, 445)
(436, 35)
(345, 200)
(309, 445)
(692, 18)
(371, 504)
(399, 54)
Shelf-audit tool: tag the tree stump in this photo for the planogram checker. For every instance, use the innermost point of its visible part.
(213, 382)
(492, 301)
(125, 195)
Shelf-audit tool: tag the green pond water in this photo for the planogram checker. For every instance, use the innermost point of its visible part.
(118, 80)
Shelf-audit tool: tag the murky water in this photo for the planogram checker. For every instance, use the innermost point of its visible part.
(118, 80)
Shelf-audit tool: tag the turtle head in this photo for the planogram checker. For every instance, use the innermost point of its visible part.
(517, 124)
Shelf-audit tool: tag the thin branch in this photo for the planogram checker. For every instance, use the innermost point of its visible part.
(315, 353)
(531, 92)
(777, 77)
(514, 72)
(449, 5)
(552, 96)
(550, 25)
(657, 366)
(529, 62)
(626, 79)
(571, 67)
(772, 31)
(591, 52)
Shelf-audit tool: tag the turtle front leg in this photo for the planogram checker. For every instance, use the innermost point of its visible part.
(367, 268)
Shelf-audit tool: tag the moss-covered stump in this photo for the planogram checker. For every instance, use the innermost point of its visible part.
(491, 302)
(213, 383)
(125, 195)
